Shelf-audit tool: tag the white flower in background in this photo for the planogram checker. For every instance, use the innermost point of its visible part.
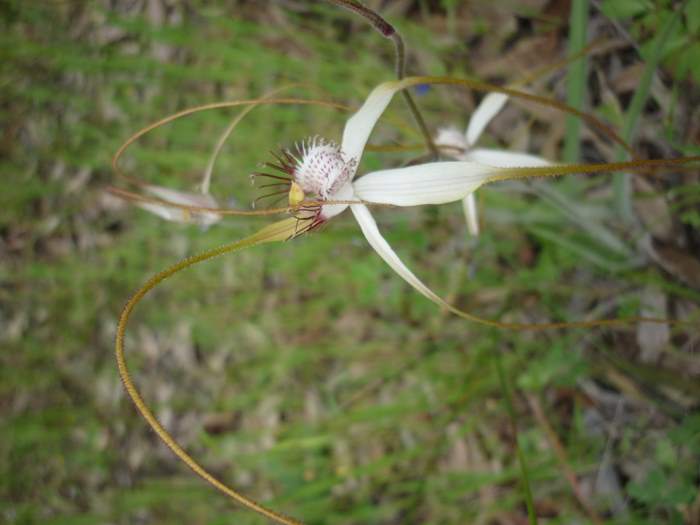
(460, 146)
(183, 198)
(201, 199)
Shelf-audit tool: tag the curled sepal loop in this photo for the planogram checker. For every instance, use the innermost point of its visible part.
(278, 231)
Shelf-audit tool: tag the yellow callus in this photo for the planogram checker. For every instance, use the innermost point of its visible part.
(296, 194)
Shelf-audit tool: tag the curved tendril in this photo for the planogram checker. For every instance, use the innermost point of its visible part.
(541, 327)
(215, 105)
(405, 83)
(571, 169)
(279, 231)
(137, 197)
(596, 45)
(208, 171)
(478, 85)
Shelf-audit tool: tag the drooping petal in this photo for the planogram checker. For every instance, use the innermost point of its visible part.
(385, 251)
(471, 213)
(505, 159)
(359, 127)
(430, 183)
(197, 200)
(484, 113)
(375, 239)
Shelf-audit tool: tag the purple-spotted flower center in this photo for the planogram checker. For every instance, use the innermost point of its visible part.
(317, 171)
(322, 170)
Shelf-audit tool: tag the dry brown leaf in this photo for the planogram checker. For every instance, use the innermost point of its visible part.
(628, 79)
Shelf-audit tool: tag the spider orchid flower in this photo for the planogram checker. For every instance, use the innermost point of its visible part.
(461, 146)
(326, 172)
(320, 181)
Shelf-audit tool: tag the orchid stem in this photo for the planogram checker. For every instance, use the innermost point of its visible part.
(400, 73)
(389, 31)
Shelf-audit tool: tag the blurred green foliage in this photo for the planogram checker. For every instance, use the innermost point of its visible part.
(681, 53)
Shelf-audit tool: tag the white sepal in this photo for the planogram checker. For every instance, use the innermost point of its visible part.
(197, 200)
(343, 194)
(471, 214)
(451, 141)
(375, 239)
(359, 127)
(431, 183)
(505, 159)
(484, 113)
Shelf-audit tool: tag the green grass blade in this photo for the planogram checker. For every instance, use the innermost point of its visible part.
(525, 476)
(576, 78)
(622, 181)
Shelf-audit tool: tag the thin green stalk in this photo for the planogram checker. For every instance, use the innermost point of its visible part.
(622, 181)
(389, 31)
(525, 478)
(400, 74)
(576, 78)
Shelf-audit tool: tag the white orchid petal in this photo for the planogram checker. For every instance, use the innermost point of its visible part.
(505, 159)
(385, 251)
(359, 127)
(181, 197)
(471, 213)
(369, 228)
(451, 142)
(431, 183)
(484, 113)
(173, 214)
(343, 194)
(164, 212)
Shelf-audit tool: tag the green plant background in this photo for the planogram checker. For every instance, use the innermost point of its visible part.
(307, 374)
